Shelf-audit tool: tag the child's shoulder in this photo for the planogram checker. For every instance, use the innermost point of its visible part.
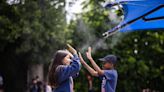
(110, 71)
(60, 68)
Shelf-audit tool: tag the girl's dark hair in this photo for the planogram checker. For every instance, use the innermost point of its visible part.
(57, 60)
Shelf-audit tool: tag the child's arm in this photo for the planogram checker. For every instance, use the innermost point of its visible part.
(66, 71)
(91, 70)
(95, 66)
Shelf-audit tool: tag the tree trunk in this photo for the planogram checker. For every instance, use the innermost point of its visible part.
(35, 70)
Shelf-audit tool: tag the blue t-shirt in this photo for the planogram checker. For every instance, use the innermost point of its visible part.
(109, 81)
(65, 74)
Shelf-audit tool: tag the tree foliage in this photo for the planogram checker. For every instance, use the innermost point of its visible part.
(30, 32)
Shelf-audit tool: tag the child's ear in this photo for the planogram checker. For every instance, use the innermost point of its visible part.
(62, 61)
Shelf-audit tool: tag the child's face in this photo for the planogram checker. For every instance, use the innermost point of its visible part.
(107, 65)
(67, 59)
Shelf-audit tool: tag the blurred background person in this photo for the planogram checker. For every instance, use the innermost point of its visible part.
(90, 83)
(33, 86)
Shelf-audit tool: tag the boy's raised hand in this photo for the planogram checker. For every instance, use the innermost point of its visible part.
(71, 49)
(88, 53)
(81, 58)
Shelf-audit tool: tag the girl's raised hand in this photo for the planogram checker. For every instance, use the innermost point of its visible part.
(71, 49)
(88, 53)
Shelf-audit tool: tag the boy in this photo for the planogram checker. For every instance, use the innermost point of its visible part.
(108, 74)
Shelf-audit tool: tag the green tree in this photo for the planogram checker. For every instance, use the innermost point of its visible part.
(141, 62)
(30, 32)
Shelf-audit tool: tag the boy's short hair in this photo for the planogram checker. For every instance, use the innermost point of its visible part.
(109, 58)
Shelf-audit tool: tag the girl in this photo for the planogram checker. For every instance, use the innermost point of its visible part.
(62, 69)
(108, 74)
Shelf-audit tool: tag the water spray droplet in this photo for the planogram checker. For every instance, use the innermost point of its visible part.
(135, 40)
(146, 43)
(135, 51)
